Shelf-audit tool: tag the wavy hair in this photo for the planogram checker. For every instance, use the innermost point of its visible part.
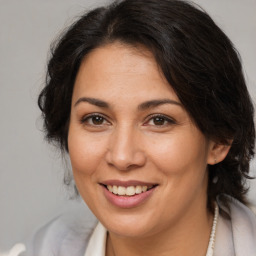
(197, 59)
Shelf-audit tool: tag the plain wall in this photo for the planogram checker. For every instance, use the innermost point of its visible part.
(31, 172)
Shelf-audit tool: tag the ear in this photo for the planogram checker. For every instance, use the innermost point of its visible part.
(218, 152)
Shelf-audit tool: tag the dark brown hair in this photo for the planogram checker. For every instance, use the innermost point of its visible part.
(196, 58)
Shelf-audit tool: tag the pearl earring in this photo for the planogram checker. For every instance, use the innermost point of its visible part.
(215, 180)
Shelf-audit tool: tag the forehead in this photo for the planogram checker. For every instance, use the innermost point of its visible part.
(121, 69)
(122, 54)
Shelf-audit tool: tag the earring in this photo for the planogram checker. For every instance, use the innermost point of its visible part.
(215, 180)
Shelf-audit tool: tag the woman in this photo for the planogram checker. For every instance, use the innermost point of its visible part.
(149, 100)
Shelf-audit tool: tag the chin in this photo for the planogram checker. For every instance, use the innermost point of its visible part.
(128, 225)
(132, 231)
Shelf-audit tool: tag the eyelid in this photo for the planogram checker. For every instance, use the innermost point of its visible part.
(91, 115)
(170, 120)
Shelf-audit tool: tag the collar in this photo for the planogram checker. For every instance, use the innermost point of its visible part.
(236, 236)
(97, 242)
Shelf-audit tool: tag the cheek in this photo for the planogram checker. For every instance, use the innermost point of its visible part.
(182, 163)
(179, 154)
(86, 152)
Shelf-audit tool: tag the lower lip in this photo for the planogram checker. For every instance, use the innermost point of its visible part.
(127, 201)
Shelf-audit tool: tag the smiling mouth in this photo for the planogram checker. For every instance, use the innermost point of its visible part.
(128, 191)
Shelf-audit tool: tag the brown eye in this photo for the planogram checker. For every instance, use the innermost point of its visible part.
(159, 120)
(94, 120)
(97, 120)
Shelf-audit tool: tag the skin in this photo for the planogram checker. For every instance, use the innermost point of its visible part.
(127, 143)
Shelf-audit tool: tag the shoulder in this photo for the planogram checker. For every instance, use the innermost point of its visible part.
(237, 235)
(65, 235)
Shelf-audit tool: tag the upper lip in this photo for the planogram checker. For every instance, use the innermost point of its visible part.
(127, 183)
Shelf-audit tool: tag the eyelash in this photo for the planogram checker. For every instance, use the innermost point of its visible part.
(170, 121)
(86, 118)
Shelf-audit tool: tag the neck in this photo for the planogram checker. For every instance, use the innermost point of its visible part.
(189, 237)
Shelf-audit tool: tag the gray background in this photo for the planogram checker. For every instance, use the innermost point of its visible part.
(31, 172)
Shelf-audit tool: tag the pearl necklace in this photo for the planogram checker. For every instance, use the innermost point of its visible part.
(213, 232)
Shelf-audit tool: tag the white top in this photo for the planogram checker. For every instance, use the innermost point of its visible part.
(78, 234)
(98, 239)
(97, 242)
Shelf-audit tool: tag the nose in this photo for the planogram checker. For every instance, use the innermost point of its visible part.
(125, 150)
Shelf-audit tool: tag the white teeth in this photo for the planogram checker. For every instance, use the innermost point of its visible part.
(130, 191)
(110, 188)
(138, 189)
(121, 191)
(114, 190)
(127, 191)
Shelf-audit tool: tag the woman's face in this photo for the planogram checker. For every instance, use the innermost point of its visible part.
(130, 134)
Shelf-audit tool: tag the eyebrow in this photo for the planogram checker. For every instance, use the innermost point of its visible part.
(142, 106)
(93, 101)
(156, 103)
